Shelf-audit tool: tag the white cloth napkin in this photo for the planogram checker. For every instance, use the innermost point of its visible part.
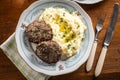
(10, 49)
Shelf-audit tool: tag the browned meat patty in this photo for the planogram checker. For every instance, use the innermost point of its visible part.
(49, 51)
(39, 31)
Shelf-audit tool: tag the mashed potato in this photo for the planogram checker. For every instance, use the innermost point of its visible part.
(68, 29)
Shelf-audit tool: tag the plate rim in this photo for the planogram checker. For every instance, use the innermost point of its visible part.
(88, 2)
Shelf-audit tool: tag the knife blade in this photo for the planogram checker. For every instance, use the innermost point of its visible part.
(111, 27)
(108, 39)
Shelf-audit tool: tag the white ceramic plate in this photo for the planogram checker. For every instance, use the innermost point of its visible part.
(88, 1)
(62, 67)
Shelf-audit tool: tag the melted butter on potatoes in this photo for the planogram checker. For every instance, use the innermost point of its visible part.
(68, 29)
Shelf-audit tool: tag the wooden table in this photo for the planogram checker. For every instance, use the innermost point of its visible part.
(10, 11)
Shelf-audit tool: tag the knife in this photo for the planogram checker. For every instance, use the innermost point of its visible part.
(108, 39)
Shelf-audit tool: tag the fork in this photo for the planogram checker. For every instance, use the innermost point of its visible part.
(99, 27)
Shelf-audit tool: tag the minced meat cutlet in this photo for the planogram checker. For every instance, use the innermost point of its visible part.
(39, 31)
(49, 51)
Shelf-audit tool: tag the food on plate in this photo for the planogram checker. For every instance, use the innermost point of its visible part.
(49, 51)
(58, 34)
(38, 31)
(68, 29)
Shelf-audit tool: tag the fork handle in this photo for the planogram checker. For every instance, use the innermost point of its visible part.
(100, 61)
(91, 57)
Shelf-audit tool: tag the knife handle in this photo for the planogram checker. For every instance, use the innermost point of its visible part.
(91, 57)
(100, 61)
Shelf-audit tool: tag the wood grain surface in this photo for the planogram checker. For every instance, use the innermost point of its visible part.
(10, 11)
